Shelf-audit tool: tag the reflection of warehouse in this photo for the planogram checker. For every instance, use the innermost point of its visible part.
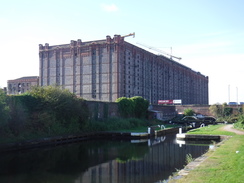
(159, 162)
(22, 85)
(105, 70)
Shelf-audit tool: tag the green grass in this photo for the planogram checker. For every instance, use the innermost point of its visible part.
(210, 130)
(224, 164)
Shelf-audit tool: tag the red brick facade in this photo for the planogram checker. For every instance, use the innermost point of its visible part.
(21, 85)
(105, 70)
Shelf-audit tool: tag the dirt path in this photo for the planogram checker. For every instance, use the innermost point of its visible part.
(231, 129)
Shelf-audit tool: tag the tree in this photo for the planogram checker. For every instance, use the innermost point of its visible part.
(4, 111)
(132, 107)
(227, 111)
(125, 106)
(60, 105)
(189, 112)
(140, 106)
(18, 115)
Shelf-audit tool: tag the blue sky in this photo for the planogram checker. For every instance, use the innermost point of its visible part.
(207, 34)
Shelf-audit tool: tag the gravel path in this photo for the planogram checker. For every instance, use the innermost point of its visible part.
(231, 129)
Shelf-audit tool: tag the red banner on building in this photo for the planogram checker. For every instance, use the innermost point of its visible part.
(161, 102)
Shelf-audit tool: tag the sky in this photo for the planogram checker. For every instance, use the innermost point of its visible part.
(208, 35)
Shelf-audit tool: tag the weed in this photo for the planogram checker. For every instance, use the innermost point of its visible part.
(189, 158)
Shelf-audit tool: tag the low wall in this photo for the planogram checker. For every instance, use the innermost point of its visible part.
(59, 140)
(201, 109)
(101, 110)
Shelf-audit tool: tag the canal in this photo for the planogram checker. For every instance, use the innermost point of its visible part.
(99, 161)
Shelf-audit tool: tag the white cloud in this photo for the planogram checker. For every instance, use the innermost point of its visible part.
(109, 7)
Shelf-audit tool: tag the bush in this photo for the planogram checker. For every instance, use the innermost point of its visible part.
(4, 113)
(140, 106)
(64, 105)
(227, 111)
(18, 115)
(43, 111)
(189, 112)
(133, 107)
(125, 106)
(240, 123)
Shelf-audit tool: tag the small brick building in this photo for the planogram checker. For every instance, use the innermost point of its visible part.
(21, 85)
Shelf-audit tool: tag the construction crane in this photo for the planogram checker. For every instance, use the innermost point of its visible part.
(131, 34)
(160, 51)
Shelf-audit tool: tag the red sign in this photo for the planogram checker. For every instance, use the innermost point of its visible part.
(165, 102)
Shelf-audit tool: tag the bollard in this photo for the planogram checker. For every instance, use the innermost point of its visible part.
(149, 130)
(180, 130)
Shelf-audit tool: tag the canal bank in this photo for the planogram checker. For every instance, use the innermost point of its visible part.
(222, 163)
(194, 163)
(59, 140)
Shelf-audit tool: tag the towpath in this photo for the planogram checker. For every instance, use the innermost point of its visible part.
(231, 129)
(192, 165)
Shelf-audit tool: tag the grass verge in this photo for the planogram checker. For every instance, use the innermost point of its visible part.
(211, 130)
(224, 164)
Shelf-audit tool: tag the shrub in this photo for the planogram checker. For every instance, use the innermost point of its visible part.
(43, 111)
(63, 104)
(18, 115)
(189, 112)
(227, 111)
(125, 106)
(216, 110)
(133, 107)
(140, 106)
(4, 113)
(240, 123)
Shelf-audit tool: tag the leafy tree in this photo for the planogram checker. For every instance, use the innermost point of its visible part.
(125, 106)
(140, 106)
(240, 123)
(189, 112)
(215, 110)
(18, 115)
(132, 107)
(60, 106)
(4, 111)
(227, 111)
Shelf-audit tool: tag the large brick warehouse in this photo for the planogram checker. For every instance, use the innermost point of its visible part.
(105, 70)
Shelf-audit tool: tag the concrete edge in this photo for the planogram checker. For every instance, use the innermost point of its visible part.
(196, 162)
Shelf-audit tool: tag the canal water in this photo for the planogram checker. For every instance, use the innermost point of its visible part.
(99, 161)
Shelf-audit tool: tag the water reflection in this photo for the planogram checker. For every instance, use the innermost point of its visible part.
(100, 161)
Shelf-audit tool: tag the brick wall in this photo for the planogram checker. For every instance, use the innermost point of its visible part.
(201, 109)
(101, 110)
